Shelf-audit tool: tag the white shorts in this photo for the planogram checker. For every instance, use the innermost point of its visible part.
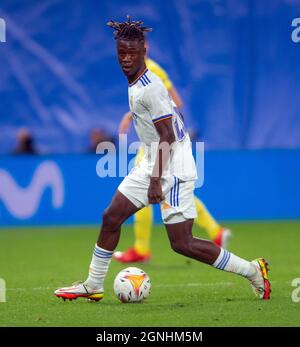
(179, 203)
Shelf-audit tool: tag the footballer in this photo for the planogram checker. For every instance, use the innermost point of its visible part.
(166, 176)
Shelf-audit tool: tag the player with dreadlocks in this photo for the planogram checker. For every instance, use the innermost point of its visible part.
(166, 175)
(143, 219)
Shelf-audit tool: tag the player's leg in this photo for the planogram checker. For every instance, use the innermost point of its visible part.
(178, 219)
(118, 211)
(142, 226)
(205, 220)
(183, 242)
(114, 216)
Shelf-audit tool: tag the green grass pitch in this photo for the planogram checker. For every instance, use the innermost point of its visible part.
(36, 261)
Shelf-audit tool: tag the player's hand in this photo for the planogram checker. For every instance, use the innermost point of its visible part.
(125, 123)
(155, 194)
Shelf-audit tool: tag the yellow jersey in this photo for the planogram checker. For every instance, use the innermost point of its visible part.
(160, 72)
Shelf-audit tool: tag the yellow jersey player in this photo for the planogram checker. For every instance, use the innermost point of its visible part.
(165, 176)
(141, 252)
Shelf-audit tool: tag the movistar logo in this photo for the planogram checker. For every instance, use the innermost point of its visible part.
(22, 202)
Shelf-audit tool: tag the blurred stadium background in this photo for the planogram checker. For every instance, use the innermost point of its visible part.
(233, 61)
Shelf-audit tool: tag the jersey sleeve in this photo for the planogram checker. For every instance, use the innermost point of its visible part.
(158, 103)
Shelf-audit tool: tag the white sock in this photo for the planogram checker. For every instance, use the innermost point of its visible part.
(98, 267)
(229, 262)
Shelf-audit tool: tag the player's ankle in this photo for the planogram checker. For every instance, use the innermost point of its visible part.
(92, 285)
(252, 271)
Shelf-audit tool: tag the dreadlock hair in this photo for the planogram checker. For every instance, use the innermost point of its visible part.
(130, 30)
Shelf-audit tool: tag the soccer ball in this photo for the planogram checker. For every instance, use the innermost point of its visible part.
(132, 285)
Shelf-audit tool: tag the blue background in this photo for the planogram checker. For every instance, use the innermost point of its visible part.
(233, 62)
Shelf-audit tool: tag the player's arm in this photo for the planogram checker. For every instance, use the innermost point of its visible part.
(125, 123)
(167, 137)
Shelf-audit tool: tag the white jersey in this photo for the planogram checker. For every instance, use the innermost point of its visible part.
(150, 103)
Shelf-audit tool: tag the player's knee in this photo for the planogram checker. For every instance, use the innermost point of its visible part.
(181, 247)
(110, 220)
